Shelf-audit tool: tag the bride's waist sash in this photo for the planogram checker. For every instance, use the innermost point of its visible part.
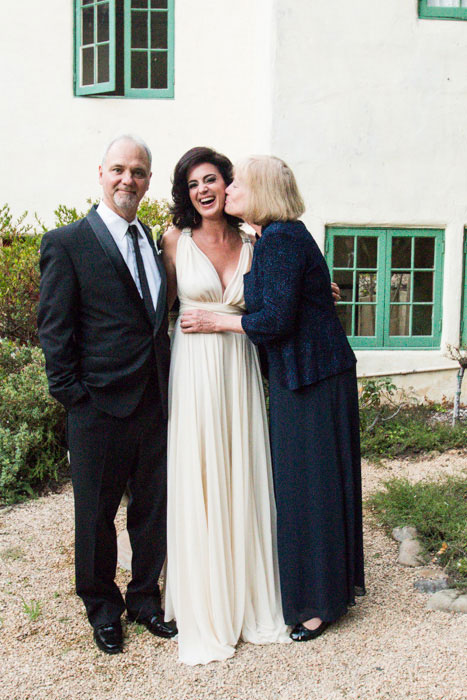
(218, 308)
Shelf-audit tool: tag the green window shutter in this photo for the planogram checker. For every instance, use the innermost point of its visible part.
(149, 48)
(439, 9)
(464, 298)
(391, 282)
(94, 47)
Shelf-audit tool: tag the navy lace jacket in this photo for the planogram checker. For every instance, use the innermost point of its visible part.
(290, 309)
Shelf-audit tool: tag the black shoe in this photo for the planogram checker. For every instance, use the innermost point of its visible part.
(155, 624)
(109, 638)
(300, 633)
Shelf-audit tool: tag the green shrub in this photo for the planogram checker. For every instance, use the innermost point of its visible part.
(438, 510)
(19, 279)
(155, 214)
(412, 430)
(393, 423)
(31, 423)
(152, 212)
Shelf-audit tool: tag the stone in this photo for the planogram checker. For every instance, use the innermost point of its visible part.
(410, 553)
(431, 585)
(404, 533)
(431, 572)
(449, 600)
(124, 550)
(460, 604)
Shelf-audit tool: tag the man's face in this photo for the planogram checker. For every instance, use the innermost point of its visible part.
(125, 178)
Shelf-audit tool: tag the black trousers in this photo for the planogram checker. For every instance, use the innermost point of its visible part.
(106, 455)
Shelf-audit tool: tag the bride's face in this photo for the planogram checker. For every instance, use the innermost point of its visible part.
(236, 198)
(206, 188)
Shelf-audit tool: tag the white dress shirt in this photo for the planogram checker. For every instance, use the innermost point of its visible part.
(118, 227)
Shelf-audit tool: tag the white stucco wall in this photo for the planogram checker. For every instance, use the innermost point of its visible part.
(369, 109)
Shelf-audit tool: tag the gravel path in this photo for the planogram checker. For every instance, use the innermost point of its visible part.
(388, 647)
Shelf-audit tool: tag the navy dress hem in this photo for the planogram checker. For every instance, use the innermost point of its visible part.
(315, 444)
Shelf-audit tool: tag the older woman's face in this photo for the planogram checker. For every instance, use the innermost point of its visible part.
(236, 198)
(206, 188)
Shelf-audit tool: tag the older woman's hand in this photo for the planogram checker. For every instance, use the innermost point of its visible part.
(336, 292)
(199, 321)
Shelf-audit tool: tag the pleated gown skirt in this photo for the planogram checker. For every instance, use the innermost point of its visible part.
(315, 443)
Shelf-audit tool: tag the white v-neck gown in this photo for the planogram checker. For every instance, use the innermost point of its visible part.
(222, 580)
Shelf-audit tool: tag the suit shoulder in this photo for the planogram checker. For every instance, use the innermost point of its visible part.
(63, 234)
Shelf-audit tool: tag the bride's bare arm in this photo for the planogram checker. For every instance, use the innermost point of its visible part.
(169, 252)
(199, 321)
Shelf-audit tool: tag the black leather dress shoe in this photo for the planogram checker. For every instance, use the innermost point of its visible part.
(155, 625)
(109, 638)
(300, 633)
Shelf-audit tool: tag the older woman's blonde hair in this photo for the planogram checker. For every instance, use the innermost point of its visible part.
(273, 194)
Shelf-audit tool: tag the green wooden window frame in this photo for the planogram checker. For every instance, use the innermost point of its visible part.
(463, 334)
(427, 11)
(124, 48)
(391, 287)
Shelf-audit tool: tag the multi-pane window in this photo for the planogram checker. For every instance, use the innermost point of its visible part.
(124, 48)
(443, 9)
(390, 282)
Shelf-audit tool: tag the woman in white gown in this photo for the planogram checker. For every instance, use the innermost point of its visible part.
(222, 580)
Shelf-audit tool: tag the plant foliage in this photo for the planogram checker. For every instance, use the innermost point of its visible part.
(437, 509)
(31, 423)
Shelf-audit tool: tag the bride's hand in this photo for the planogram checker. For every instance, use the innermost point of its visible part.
(198, 321)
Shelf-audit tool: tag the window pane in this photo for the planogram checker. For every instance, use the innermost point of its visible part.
(423, 286)
(103, 22)
(139, 30)
(139, 3)
(139, 69)
(87, 20)
(399, 321)
(400, 286)
(343, 251)
(422, 320)
(158, 70)
(87, 69)
(103, 66)
(443, 3)
(159, 4)
(158, 30)
(367, 251)
(424, 252)
(365, 316)
(401, 251)
(344, 312)
(344, 278)
(366, 286)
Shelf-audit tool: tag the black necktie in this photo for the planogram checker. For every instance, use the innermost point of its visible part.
(143, 280)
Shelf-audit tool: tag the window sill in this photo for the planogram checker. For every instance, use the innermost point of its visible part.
(379, 363)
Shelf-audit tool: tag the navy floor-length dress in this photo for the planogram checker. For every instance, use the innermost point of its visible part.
(315, 440)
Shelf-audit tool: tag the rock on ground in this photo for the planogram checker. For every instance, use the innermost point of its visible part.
(450, 600)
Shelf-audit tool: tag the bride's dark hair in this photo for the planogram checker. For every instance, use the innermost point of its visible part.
(183, 212)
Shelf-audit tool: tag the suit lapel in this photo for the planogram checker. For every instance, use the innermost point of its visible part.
(162, 298)
(110, 248)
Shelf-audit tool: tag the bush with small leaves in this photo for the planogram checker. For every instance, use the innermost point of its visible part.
(32, 445)
(19, 279)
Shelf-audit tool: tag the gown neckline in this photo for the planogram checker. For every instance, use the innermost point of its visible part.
(223, 290)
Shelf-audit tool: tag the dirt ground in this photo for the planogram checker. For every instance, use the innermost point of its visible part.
(388, 647)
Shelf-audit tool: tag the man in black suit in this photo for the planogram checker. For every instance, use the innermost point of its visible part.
(103, 329)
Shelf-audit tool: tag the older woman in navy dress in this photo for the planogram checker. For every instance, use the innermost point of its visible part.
(313, 399)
